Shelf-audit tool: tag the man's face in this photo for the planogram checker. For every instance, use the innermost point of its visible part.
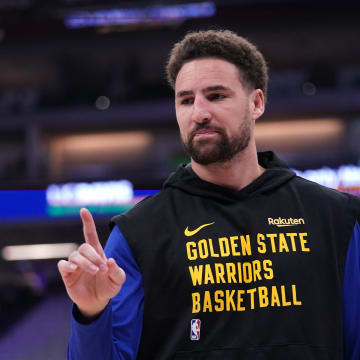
(212, 110)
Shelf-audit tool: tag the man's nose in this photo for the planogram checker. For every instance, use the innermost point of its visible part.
(201, 113)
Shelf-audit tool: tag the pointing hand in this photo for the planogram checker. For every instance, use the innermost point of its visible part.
(91, 279)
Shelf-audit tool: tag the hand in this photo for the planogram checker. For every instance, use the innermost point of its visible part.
(91, 279)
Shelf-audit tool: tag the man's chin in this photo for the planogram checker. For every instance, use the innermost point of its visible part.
(205, 144)
(204, 152)
(205, 157)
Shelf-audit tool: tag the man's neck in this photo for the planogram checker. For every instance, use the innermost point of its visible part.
(236, 174)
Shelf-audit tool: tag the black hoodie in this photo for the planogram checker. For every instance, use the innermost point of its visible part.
(250, 274)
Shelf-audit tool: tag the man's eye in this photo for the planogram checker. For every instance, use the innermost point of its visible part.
(216, 97)
(187, 101)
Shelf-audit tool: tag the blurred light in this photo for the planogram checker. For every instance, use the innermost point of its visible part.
(298, 134)
(38, 251)
(154, 14)
(93, 143)
(100, 148)
(85, 194)
(33, 205)
(102, 102)
(346, 176)
(309, 89)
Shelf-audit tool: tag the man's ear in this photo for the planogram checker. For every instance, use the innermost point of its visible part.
(257, 103)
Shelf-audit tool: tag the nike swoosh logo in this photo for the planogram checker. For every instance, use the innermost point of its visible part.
(187, 232)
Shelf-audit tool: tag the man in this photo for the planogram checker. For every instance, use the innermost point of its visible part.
(236, 258)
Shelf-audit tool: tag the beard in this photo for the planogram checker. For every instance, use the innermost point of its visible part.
(223, 149)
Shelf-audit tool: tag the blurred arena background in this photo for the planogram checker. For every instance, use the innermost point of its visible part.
(87, 119)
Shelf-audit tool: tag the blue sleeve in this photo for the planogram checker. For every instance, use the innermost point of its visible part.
(351, 297)
(116, 334)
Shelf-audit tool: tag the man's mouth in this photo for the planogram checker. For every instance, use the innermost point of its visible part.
(204, 132)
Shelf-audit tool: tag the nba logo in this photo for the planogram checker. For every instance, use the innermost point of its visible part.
(195, 329)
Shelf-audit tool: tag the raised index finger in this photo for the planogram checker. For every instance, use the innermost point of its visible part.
(90, 233)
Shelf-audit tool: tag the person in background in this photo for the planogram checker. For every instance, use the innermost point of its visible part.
(236, 257)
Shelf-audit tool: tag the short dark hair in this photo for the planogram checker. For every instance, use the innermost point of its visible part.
(221, 44)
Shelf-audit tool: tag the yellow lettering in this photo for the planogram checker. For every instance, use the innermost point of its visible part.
(303, 241)
(219, 295)
(195, 302)
(292, 239)
(240, 300)
(231, 272)
(191, 250)
(224, 247)
(295, 300)
(229, 300)
(256, 270)
(211, 247)
(251, 292)
(234, 246)
(282, 243)
(262, 247)
(272, 241)
(196, 274)
(283, 296)
(203, 249)
(239, 272)
(245, 245)
(208, 276)
(233, 300)
(247, 272)
(275, 300)
(267, 265)
(219, 273)
(263, 296)
(207, 302)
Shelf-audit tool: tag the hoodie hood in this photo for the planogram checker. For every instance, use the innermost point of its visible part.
(277, 173)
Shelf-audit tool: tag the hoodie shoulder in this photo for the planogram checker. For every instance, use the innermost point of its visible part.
(152, 206)
(142, 210)
(325, 194)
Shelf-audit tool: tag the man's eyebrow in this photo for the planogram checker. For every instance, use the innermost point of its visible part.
(216, 87)
(208, 89)
(184, 93)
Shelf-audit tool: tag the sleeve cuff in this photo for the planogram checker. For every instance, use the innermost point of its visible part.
(80, 319)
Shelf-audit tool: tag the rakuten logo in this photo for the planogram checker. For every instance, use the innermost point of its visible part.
(281, 222)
